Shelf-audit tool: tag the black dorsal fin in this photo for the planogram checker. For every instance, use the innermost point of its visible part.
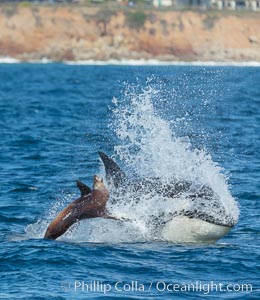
(114, 174)
(84, 189)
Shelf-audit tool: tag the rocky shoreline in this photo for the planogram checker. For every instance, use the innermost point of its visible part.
(79, 33)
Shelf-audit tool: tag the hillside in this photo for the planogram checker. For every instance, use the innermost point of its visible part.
(81, 33)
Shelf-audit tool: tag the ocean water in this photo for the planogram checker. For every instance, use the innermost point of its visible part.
(196, 123)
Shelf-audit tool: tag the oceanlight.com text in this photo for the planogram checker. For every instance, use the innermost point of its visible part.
(97, 286)
(205, 288)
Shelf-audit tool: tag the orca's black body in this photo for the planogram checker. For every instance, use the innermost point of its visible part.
(118, 180)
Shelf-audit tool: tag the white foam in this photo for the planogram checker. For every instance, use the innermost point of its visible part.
(11, 60)
(136, 62)
(8, 60)
(154, 62)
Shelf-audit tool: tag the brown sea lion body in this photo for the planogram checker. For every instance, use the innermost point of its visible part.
(92, 205)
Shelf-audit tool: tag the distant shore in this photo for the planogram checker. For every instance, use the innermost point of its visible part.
(82, 34)
(140, 62)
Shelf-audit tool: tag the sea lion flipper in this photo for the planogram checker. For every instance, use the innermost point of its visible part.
(114, 174)
(84, 189)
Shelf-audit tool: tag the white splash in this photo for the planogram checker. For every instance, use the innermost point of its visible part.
(147, 147)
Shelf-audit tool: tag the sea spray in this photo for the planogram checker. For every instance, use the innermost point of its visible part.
(148, 146)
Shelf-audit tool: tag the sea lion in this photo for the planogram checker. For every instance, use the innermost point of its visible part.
(91, 204)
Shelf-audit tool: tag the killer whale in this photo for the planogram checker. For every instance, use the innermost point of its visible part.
(210, 225)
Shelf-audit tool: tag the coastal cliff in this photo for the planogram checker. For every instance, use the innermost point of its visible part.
(75, 33)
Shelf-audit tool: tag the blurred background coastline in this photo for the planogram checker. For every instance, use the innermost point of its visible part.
(164, 30)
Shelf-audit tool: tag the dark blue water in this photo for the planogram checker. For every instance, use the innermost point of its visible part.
(54, 118)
